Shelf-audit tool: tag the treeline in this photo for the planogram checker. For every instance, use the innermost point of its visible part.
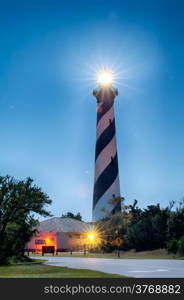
(22, 202)
(72, 216)
(145, 229)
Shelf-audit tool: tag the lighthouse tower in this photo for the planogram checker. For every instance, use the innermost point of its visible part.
(106, 196)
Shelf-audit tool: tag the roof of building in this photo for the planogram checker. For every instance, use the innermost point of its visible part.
(58, 224)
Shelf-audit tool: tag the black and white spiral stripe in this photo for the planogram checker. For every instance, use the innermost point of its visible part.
(106, 184)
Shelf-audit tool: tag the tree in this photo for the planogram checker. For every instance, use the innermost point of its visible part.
(117, 203)
(176, 221)
(149, 229)
(72, 216)
(20, 201)
(114, 227)
(144, 229)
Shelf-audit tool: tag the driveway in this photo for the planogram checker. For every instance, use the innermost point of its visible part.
(154, 268)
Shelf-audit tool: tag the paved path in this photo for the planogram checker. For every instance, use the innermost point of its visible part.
(130, 267)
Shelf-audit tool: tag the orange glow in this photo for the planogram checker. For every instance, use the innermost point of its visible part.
(43, 239)
(93, 237)
(47, 241)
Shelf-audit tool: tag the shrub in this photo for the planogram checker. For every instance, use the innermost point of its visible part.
(172, 246)
(180, 245)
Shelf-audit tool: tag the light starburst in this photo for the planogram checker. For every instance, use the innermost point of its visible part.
(105, 78)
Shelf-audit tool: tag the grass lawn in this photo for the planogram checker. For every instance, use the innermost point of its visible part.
(37, 269)
(155, 254)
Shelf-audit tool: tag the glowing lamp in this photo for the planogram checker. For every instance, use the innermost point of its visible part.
(91, 237)
(47, 241)
(105, 78)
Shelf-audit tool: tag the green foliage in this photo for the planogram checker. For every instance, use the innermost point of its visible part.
(19, 202)
(172, 246)
(150, 230)
(72, 216)
(181, 246)
(146, 229)
(176, 246)
(176, 221)
(111, 229)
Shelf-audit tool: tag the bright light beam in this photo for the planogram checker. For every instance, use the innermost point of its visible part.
(105, 78)
(91, 237)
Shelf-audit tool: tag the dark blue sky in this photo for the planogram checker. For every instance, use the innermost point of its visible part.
(48, 53)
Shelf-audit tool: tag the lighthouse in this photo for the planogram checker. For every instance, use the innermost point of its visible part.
(106, 194)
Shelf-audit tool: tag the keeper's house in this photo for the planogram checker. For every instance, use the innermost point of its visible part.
(64, 234)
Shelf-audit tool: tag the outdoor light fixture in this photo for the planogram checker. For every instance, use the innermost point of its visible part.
(94, 237)
(47, 241)
(105, 78)
(91, 237)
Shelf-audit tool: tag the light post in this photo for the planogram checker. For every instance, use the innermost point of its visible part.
(91, 237)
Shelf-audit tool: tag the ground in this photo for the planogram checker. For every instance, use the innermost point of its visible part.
(140, 268)
(157, 263)
(155, 254)
(38, 270)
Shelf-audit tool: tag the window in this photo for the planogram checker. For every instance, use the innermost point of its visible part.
(74, 235)
(40, 242)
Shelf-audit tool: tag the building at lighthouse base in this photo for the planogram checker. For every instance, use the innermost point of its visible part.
(64, 234)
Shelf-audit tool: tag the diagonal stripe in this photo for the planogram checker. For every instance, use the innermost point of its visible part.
(105, 138)
(105, 98)
(104, 122)
(98, 210)
(104, 159)
(103, 108)
(105, 180)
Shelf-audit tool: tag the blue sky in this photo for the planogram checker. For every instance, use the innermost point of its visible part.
(48, 53)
